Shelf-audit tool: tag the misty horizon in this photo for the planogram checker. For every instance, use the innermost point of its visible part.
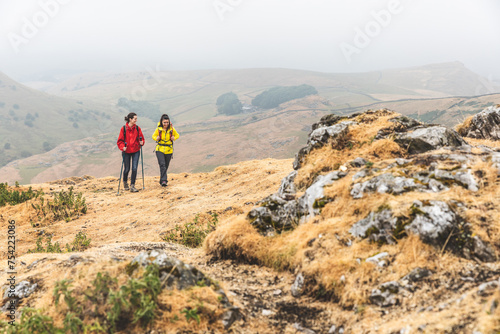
(56, 36)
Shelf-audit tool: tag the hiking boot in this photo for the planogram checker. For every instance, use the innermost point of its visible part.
(125, 185)
(132, 188)
(164, 184)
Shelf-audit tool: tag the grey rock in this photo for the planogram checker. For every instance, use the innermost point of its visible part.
(173, 272)
(417, 274)
(275, 215)
(358, 162)
(434, 223)
(430, 138)
(378, 226)
(302, 329)
(287, 188)
(402, 124)
(488, 288)
(378, 259)
(267, 313)
(229, 316)
(361, 174)
(484, 125)
(279, 212)
(314, 199)
(386, 294)
(384, 183)
(467, 180)
(22, 290)
(336, 330)
(320, 136)
(298, 286)
(483, 251)
(402, 162)
(176, 274)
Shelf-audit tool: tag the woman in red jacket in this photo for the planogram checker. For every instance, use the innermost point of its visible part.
(129, 142)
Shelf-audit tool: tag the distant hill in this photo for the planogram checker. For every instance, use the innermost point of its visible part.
(191, 95)
(32, 122)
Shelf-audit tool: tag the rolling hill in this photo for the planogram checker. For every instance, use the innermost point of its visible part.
(32, 122)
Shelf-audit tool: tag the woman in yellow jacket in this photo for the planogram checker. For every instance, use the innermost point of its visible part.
(164, 135)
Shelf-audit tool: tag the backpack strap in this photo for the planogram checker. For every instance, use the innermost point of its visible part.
(138, 132)
(125, 135)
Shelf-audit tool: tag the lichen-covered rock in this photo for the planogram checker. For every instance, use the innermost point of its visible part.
(314, 199)
(417, 274)
(176, 274)
(280, 212)
(22, 290)
(173, 272)
(275, 215)
(377, 226)
(484, 125)
(298, 286)
(386, 294)
(433, 222)
(13, 294)
(385, 183)
(358, 162)
(379, 260)
(402, 124)
(425, 139)
(287, 188)
(319, 137)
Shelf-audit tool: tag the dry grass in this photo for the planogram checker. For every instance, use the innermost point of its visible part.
(464, 126)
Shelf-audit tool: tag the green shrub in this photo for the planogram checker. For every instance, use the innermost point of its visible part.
(49, 246)
(79, 244)
(192, 234)
(64, 205)
(14, 196)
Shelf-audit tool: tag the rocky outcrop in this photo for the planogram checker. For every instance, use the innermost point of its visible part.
(430, 178)
(484, 125)
(423, 139)
(330, 127)
(282, 212)
(435, 222)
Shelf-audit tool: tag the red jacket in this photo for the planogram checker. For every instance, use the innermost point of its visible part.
(132, 138)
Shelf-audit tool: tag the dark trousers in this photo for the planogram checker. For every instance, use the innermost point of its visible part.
(126, 163)
(163, 161)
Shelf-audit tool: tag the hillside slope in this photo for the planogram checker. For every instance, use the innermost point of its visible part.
(34, 122)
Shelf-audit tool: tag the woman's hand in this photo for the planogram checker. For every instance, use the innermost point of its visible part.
(124, 148)
(141, 142)
(158, 138)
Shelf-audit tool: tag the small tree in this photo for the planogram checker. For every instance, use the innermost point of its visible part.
(229, 104)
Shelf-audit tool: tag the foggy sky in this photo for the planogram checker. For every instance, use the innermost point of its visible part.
(131, 35)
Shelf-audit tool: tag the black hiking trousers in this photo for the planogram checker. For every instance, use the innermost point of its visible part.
(126, 163)
(163, 162)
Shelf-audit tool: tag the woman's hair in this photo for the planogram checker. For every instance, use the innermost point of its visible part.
(130, 116)
(163, 117)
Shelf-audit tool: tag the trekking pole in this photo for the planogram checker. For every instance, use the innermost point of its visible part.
(120, 180)
(142, 163)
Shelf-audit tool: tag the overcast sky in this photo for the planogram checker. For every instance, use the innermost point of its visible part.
(38, 36)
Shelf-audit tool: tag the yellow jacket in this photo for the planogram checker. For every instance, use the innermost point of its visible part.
(165, 145)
